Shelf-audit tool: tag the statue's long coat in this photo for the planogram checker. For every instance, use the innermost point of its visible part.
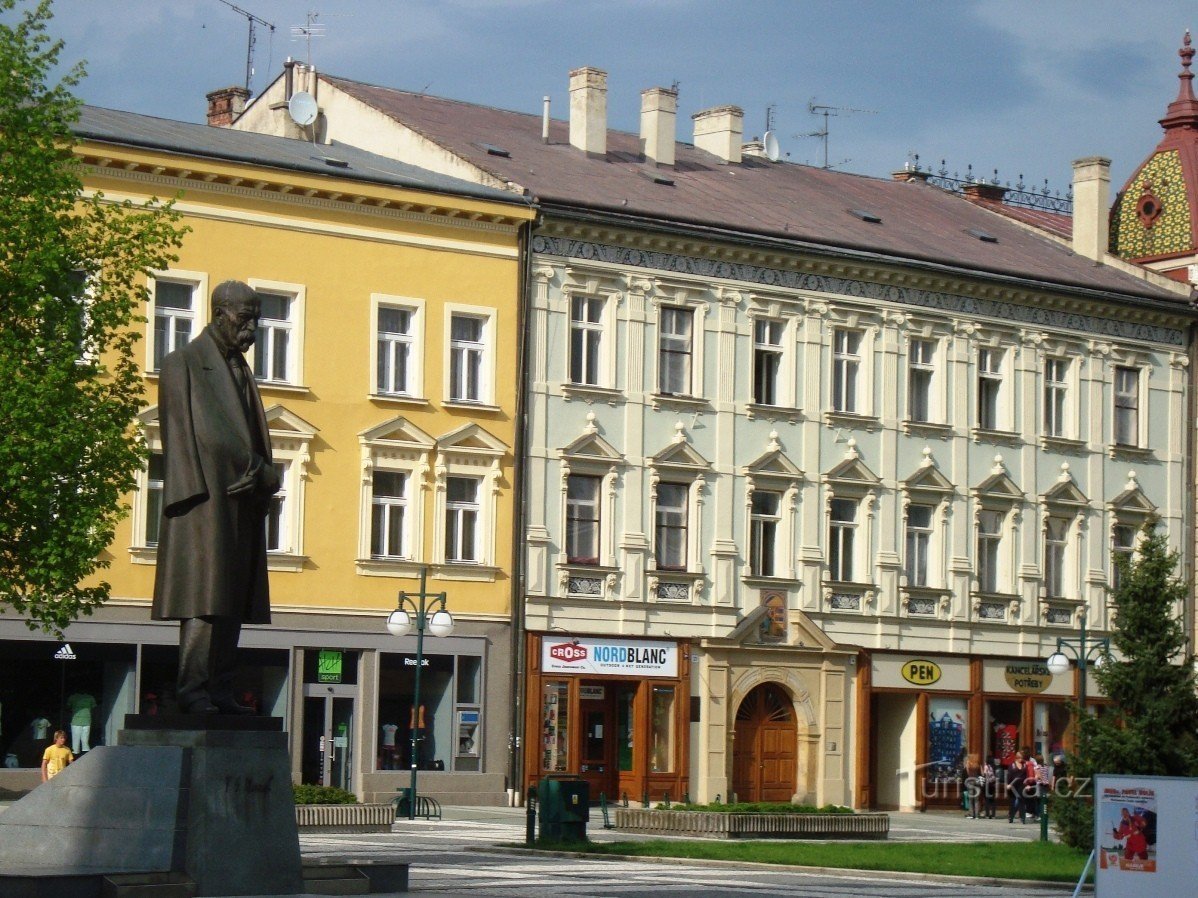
(211, 548)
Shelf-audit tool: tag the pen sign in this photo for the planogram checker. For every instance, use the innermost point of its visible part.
(920, 672)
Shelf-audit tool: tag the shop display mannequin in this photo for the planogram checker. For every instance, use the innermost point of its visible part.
(80, 705)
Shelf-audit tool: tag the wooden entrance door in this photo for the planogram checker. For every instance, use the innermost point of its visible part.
(765, 750)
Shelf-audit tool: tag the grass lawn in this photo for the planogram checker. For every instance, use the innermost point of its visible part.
(1046, 861)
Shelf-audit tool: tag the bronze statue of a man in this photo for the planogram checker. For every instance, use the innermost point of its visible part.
(218, 481)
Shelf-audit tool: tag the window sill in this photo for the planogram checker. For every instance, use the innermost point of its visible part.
(285, 561)
(1062, 444)
(772, 581)
(852, 420)
(670, 400)
(1117, 450)
(930, 428)
(143, 554)
(275, 386)
(398, 399)
(450, 570)
(773, 412)
(980, 434)
(470, 405)
(387, 567)
(592, 393)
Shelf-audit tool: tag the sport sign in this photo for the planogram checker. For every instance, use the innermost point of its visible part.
(609, 657)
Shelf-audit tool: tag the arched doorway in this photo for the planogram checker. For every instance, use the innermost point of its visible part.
(765, 750)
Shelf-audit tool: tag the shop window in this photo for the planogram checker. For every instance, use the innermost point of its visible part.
(438, 721)
(948, 735)
(1004, 733)
(625, 728)
(662, 734)
(555, 717)
(470, 670)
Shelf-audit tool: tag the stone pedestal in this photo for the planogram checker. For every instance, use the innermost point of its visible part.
(207, 797)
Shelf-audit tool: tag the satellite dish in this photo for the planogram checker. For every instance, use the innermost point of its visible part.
(770, 145)
(302, 108)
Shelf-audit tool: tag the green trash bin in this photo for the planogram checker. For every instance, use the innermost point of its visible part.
(564, 808)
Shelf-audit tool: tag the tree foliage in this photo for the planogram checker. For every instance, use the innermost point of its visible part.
(1151, 725)
(71, 286)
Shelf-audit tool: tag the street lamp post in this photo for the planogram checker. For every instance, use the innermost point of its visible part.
(1085, 652)
(430, 614)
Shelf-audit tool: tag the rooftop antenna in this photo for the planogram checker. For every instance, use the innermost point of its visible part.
(827, 111)
(308, 31)
(249, 51)
(769, 140)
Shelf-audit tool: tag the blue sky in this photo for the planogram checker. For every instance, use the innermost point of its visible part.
(1024, 87)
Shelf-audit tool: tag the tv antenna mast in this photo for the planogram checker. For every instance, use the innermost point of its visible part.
(828, 111)
(249, 51)
(308, 31)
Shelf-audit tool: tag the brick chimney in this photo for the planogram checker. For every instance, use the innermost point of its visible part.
(225, 105)
(659, 111)
(719, 131)
(588, 110)
(1091, 207)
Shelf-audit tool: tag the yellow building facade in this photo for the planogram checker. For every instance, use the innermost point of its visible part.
(386, 360)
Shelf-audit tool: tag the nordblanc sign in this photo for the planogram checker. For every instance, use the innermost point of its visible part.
(611, 657)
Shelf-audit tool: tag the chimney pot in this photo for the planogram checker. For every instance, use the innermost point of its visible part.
(588, 110)
(659, 114)
(1091, 207)
(719, 131)
(225, 104)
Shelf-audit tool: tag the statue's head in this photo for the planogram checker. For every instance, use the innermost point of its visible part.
(235, 311)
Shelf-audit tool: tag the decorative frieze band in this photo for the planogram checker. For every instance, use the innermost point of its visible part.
(949, 303)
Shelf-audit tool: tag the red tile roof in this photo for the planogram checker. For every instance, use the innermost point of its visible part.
(757, 197)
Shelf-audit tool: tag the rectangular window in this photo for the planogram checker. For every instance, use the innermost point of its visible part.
(989, 543)
(670, 544)
(921, 368)
(394, 350)
(842, 531)
(277, 537)
(466, 352)
(1056, 390)
(582, 519)
(174, 318)
(767, 361)
(846, 368)
(1056, 533)
(555, 727)
(272, 345)
(1127, 406)
(919, 540)
(763, 535)
(461, 519)
(388, 504)
(989, 387)
(154, 498)
(1122, 549)
(586, 340)
(674, 351)
(661, 754)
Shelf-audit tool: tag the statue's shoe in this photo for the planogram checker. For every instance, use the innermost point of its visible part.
(231, 706)
(202, 706)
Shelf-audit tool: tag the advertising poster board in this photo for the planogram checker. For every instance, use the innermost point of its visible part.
(1145, 835)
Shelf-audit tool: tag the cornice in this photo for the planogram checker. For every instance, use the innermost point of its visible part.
(685, 257)
(271, 185)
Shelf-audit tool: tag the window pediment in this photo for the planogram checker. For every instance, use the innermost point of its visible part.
(774, 465)
(852, 472)
(1066, 493)
(999, 486)
(680, 455)
(284, 423)
(471, 440)
(928, 479)
(592, 448)
(400, 432)
(1132, 500)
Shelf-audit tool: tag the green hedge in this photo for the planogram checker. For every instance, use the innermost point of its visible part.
(763, 807)
(307, 794)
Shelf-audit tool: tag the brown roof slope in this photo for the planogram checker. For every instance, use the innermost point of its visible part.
(797, 202)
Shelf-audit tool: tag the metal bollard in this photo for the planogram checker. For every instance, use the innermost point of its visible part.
(645, 798)
(530, 818)
(665, 799)
(1044, 820)
(626, 798)
(603, 807)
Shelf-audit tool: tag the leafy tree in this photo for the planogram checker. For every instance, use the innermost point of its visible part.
(70, 290)
(1151, 726)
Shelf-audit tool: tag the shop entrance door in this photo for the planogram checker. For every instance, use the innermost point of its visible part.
(597, 760)
(328, 735)
(765, 748)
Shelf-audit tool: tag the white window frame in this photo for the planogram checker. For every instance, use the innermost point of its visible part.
(415, 340)
(1000, 582)
(1058, 395)
(388, 506)
(686, 509)
(782, 386)
(692, 341)
(1058, 542)
(759, 521)
(848, 371)
(480, 459)
(1140, 395)
(140, 550)
(594, 340)
(486, 346)
(596, 504)
(395, 446)
(290, 443)
(457, 511)
(842, 530)
(198, 281)
(930, 370)
(296, 295)
(920, 534)
(1127, 549)
(994, 375)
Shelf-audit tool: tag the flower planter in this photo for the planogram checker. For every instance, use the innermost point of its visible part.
(714, 825)
(345, 818)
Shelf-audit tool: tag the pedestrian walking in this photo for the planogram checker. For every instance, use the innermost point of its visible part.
(990, 786)
(56, 757)
(1016, 779)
